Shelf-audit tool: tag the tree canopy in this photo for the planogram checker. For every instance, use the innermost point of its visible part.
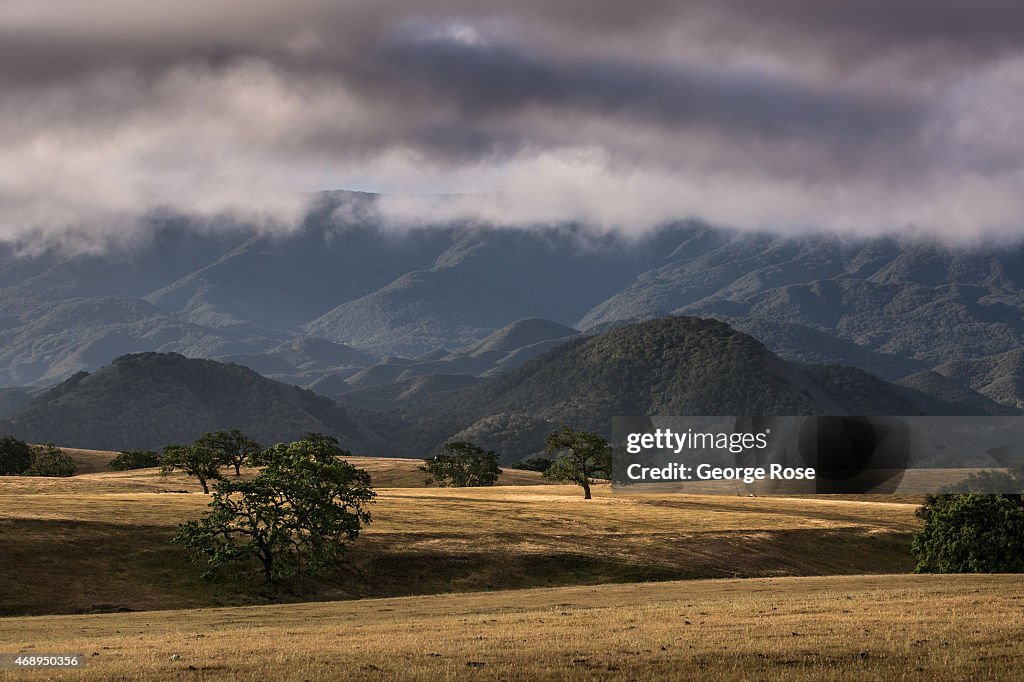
(462, 465)
(580, 456)
(234, 447)
(134, 459)
(295, 517)
(49, 460)
(972, 533)
(199, 462)
(15, 456)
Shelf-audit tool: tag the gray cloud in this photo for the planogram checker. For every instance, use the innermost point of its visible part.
(489, 81)
(795, 115)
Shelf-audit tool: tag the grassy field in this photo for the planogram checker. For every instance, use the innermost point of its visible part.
(833, 628)
(91, 474)
(520, 581)
(90, 461)
(103, 538)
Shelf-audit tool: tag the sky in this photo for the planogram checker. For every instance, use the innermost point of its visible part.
(863, 118)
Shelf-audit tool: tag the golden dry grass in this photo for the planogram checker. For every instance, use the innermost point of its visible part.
(104, 538)
(100, 542)
(92, 475)
(836, 628)
(90, 461)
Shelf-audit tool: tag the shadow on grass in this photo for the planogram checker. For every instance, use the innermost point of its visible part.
(54, 566)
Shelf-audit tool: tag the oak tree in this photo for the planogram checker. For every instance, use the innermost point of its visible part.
(295, 517)
(201, 463)
(579, 457)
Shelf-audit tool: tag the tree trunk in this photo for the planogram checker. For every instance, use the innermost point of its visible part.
(586, 490)
(266, 558)
(206, 488)
(238, 470)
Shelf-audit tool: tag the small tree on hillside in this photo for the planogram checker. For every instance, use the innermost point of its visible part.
(15, 456)
(201, 463)
(134, 459)
(49, 460)
(462, 465)
(580, 456)
(296, 516)
(234, 446)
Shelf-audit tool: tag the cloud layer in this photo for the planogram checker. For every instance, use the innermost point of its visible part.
(797, 115)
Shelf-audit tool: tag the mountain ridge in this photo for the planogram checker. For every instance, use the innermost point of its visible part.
(669, 366)
(893, 307)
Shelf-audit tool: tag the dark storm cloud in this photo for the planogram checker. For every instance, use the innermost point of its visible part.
(54, 39)
(489, 81)
(792, 114)
(979, 26)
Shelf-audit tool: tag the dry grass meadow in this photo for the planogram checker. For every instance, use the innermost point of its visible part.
(519, 581)
(825, 628)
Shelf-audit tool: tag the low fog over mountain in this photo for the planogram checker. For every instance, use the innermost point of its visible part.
(346, 306)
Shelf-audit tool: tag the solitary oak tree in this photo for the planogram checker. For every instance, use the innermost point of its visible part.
(580, 456)
(296, 516)
(975, 526)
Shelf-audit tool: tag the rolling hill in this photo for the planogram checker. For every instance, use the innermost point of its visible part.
(148, 400)
(116, 529)
(671, 366)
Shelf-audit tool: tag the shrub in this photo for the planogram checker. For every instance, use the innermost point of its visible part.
(971, 533)
(540, 464)
(135, 459)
